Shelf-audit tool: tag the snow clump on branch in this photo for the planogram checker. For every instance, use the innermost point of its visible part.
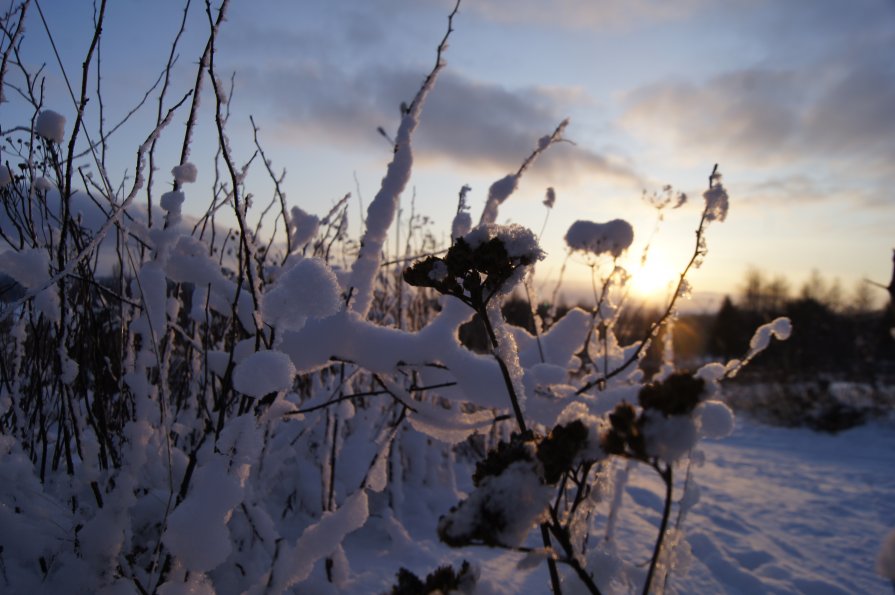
(613, 237)
(185, 173)
(497, 194)
(518, 241)
(304, 227)
(50, 125)
(308, 289)
(262, 373)
(172, 203)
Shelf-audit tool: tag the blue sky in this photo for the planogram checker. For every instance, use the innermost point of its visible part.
(795, 99)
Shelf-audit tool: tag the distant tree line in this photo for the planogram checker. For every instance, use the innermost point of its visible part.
(835, 334)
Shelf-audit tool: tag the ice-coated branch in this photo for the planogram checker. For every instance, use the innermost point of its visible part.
(381, 212)
(13, 38)
(278, 191)
(113, 219)
(712, 210)
(668, 479)
(165, 78)
(779, 328)
(504, 187)
(294, 563)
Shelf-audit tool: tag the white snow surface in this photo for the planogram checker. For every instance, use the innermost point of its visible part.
(774, 510)
(50, 125)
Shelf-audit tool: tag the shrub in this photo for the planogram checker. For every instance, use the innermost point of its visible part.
(227, 407)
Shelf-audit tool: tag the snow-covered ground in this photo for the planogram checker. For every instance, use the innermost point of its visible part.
(781, 511)
(792, 511)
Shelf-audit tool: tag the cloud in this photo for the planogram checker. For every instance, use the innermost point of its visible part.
(585, 14)
(748, 113)
(770, 117)
(821, 89)
(794, 189)
(854, 114)
(471, 123)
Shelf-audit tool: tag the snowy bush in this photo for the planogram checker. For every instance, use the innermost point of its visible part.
(189, 408)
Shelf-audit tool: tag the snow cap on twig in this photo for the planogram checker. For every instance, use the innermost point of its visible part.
(50, 125)
(613, 237)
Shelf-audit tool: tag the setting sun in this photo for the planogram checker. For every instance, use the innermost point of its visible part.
(653, 279)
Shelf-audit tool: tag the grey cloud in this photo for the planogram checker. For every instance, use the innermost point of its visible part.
(470, 123)
(485, 124)
(771, 117)
(856, 113)
(751, 113)
(805, 189)
(795, 188)
(586, 14)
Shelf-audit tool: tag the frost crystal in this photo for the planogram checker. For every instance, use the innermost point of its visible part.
(519, 242)
(613, 237)
(716, 202)
(185, 173)
(50, 126)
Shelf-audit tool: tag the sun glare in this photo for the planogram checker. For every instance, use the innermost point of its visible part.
(653, 279)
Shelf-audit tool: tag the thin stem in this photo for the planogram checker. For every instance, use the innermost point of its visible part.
(666, 475)
(504, 370)
(555, 585)
(563, 538)
(698, 252)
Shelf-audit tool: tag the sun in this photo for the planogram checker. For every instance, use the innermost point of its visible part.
(654, 279)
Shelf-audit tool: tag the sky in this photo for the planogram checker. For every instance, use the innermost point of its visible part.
(795, 100)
